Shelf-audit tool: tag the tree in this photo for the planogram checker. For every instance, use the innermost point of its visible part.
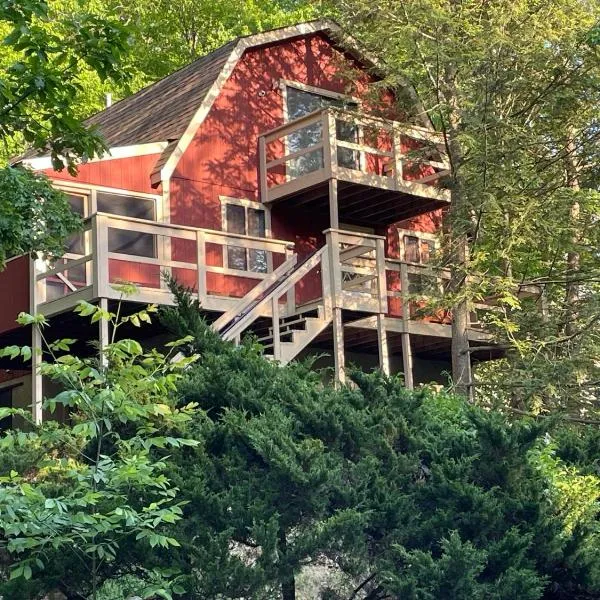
(34, 217)
(74, 494)
(44, 53)
(169, 36)
(503, 82)
(412, 495)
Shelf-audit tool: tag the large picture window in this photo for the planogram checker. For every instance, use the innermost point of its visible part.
(299, 103)
(244, 219)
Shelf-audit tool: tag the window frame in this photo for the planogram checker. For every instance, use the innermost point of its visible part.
(90, 191)
(422, 236)
(246, 204)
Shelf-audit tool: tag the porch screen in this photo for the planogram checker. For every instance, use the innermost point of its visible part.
(301, 103)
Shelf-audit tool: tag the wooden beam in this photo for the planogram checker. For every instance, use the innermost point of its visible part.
(338, 347)
(103, 333)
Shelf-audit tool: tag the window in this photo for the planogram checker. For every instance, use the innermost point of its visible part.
(125, 241)
(244, 219)
(300, 103)
(79, 205)
(417, 249)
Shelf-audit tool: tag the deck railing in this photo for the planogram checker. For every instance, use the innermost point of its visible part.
(353, 147)
(223, 267)
(220, 267)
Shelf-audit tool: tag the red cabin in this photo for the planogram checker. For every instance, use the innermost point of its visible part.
(266, 178)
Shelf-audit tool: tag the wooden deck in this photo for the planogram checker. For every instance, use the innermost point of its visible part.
(390, 171)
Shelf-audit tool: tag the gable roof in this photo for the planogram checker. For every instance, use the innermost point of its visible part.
(171, 110)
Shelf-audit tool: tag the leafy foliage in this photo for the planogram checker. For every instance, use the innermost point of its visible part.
(45, 50)
(513, 86)
(92, 484)
(34, 217)
(414, 495)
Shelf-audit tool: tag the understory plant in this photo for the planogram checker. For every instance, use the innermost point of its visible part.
(77, 491)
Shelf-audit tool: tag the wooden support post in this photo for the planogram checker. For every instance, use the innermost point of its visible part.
(407, 361)
(338, 347)
(382, 343)
(406, 347)
(35, 291)
(100, 254)
(334, 218)
(384, 359)
(397, 147)
(333, 252)
(103, 333)
(37, 393)
(276, 333)
(201, 265)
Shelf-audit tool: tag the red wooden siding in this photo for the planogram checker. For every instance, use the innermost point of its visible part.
(14, 289)
(131, 173)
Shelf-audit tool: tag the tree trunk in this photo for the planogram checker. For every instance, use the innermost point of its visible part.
(288, 581)
(460, 229)
(573, 257)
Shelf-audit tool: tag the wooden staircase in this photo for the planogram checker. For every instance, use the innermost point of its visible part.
(291, 329)
(295, 333)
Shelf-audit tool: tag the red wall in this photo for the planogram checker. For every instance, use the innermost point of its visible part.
(123, 173)
(14, 291)
(223, 157)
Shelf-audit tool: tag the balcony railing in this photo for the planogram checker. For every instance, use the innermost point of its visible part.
(220, 267)
(332, 143)
(113, 250)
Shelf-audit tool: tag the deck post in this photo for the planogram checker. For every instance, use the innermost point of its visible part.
(407, 358)
(334, 219)
(103, 333)
(100, 253)
(407, 361)
(36, 377)
(333, 251)
(35, 291)
(338, 347)
(201, 265)
(382, 342)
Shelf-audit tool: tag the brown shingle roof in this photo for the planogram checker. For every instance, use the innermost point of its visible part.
(162, 111)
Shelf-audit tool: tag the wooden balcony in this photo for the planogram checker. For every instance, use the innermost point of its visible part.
(384, 171)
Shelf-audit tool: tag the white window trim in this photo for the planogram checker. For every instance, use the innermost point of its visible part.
(225, 200)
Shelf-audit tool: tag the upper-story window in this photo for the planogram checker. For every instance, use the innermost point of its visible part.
(245, 218)
(115, 202)
(301, 102)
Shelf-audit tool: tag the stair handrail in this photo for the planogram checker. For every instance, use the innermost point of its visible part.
(254, 293)
(246, 317)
